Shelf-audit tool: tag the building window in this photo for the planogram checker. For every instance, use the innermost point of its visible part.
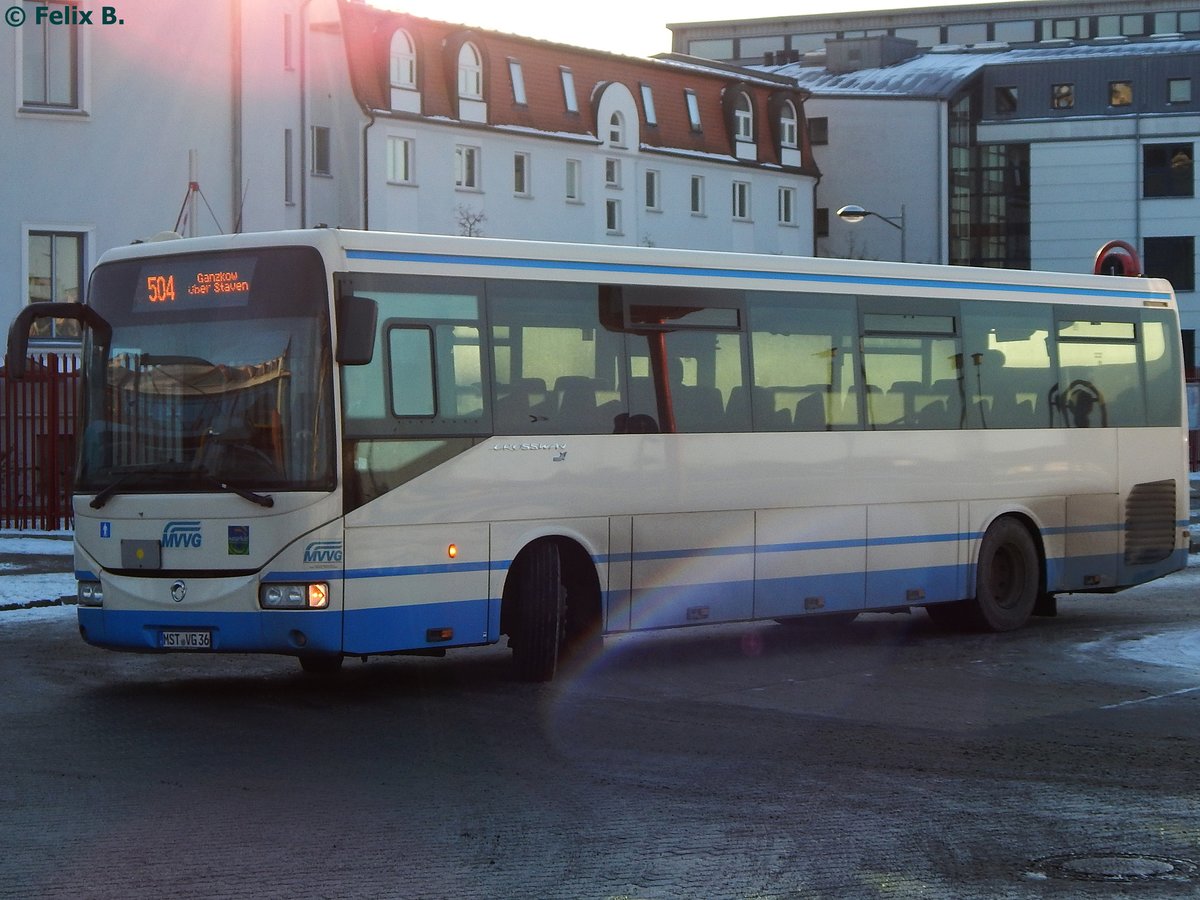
(821, 221)
(403, 61)
(1017, 32)
(697, 195)
(648, 105)
(1006, 98)
(321, 150)
(568, 86)
(789, 126)
(787, 206)
(1173, 258)
(1179, 90)
(574, 181)
(741, 200)
(399, 160)
(612, 216)
(612, 173)
(289, 178)
(288, 62)
(653, 190)
(818, 130)
(521, 162)
(693, 109)
(1120, 93)
(743, 118)
(518, 83)
(1062, 96)
(1168, 171)
(55, 274)
(49, 60)
(470, 72)
(466, 167)
(616, 130)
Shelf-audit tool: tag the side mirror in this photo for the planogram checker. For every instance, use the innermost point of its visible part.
(18, 332)
(357, 321)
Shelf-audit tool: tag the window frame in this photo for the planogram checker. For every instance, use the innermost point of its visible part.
(402, 61)
(69, 55)
(468, 167)
(407, 175)
(692, 103)
(522, 174)
(517, 78)
(321, 162)
(648, 110)
(80, 238)
(570, 95)
(786, 201)
(740, 201)
(470, 72)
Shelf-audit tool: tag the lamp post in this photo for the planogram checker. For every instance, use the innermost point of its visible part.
(854, 213)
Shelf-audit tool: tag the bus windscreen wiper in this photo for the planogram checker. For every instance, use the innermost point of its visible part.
(126, 473)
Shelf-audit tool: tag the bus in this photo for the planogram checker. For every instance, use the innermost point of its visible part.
(333, 443)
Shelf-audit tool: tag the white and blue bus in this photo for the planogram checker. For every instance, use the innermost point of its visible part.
(335, 443)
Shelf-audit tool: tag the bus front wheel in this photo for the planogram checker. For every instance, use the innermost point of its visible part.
(1008, 576)
(537, 633)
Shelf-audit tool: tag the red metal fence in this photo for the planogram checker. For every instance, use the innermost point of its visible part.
(37, 443)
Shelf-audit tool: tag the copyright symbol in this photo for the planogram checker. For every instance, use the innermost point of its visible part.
(14, 16)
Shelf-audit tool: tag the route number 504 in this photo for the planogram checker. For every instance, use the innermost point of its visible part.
(160, 288)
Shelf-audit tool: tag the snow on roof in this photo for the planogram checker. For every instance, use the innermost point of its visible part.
(941, 73)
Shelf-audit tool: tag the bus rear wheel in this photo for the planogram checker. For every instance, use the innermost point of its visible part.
(537, 634)
(1008, 577)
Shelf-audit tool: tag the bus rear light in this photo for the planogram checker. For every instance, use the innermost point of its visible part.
(294, 596)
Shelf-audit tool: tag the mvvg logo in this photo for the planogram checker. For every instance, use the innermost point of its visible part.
(323, 552)
(182, 534)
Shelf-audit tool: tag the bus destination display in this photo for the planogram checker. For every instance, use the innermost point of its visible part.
(199, 283)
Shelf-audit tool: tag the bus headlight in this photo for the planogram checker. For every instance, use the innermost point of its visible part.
(294, 596)
(89, 593)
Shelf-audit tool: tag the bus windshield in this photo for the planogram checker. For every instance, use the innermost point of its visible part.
(218, 376)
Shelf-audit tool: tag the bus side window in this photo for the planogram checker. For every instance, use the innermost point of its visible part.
(804, 362)
(1099, 379)
(1007, 371)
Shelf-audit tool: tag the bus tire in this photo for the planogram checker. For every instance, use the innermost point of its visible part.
(321, 663)
(1007, 576)
(538, 630)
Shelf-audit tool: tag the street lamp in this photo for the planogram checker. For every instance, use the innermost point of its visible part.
(855, 213)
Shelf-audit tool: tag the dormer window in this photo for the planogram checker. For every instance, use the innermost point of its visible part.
(789, 126)
(402, 72)
(468, 86)
(616, 130)
(790, 153)
(470, 72)
(743, 117)
(403, 61)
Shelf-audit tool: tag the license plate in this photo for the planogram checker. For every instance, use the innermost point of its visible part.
(185, 640)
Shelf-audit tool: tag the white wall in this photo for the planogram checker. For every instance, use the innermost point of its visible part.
(883, 153)
(430, 204)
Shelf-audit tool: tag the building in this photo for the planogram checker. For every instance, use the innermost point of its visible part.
(1036, 23)
(1020, 134)
(160, 121)
(241, 115)
(465, 131)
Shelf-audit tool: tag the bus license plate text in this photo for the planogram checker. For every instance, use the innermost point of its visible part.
(185, 640)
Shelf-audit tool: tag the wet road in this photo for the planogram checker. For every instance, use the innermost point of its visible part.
(885, 759)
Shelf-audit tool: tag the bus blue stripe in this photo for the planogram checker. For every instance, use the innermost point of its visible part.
(658, 555)
(458, 259)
